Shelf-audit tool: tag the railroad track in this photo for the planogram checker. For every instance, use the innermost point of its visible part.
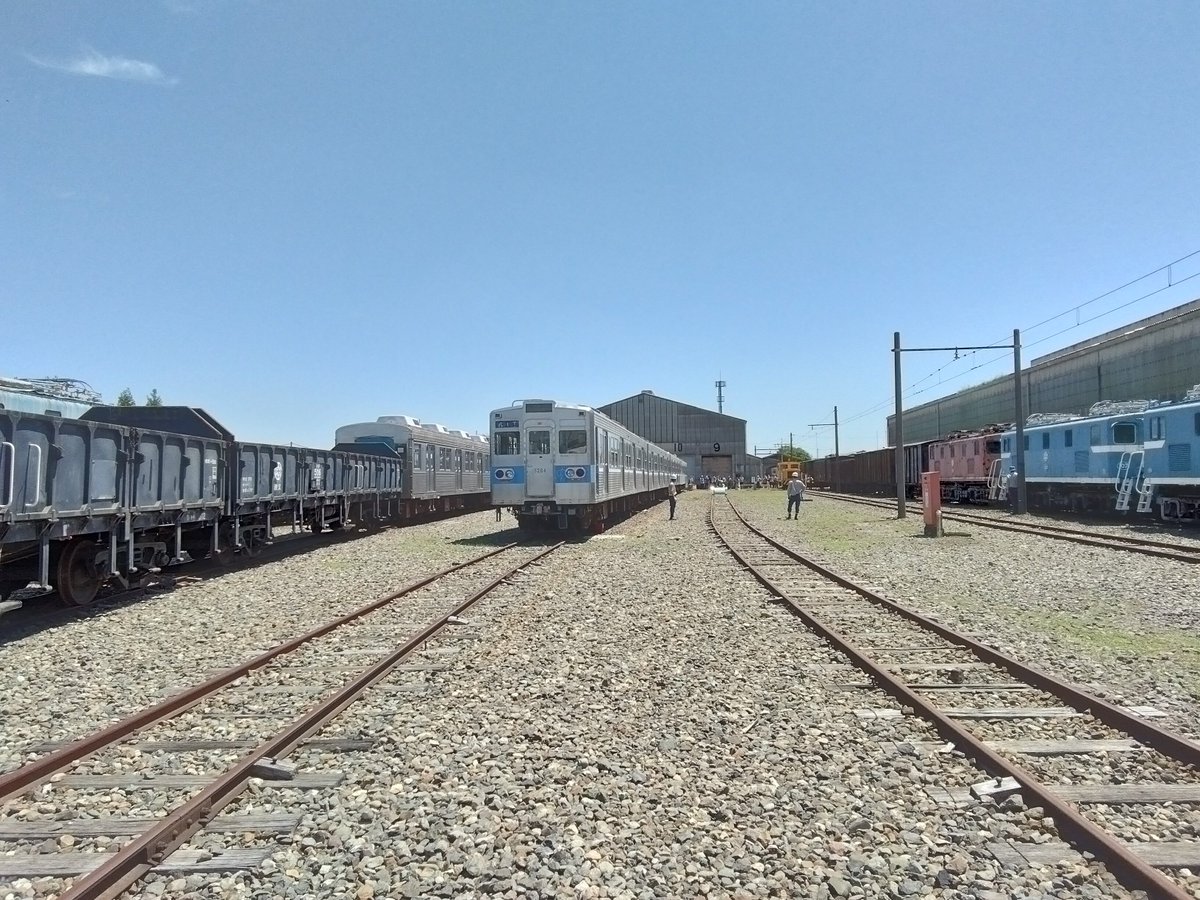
(262, 710)
(999, 712)
(1145, 546)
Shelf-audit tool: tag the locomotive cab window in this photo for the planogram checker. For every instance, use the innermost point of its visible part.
(1156, 429)
(506, 443)
(1094, 435)
(572, 441)
(993, 446)
(1045, 440)
(1068, 437)
(539, 443)
(1124, 433)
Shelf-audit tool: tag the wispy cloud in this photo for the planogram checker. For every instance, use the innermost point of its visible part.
(101, 66)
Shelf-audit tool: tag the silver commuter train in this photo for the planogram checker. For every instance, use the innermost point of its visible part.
(444, 470)
(573, 468)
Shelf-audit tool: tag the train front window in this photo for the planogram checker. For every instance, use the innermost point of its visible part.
(506, 443)
(539, 443)
(993, 447)
(572, 440)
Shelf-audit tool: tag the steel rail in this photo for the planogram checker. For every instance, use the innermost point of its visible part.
(960, 516)
(139, 856)
(1120, 859)
(28, 775)
(1166, 742)
(1161, 549)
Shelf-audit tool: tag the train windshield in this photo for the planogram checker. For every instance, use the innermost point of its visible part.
(539, 443)
(506, 443)
(571, 440)
(993, 446)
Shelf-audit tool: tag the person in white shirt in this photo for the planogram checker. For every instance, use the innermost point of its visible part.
(795, 493)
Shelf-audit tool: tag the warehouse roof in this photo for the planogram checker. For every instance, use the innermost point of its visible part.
(686, 406)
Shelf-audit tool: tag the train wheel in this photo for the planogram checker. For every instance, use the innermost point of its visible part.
(252, 544)
(77, 580)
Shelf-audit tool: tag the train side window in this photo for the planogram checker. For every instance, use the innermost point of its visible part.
(977, 448)
(1094, 435)
(952, 451)
(539, 443)
(572, 440)
(1156, 428)
(1026, 442)
(1196, 423)
(1045, 440)
(1068, 437)
(506, 443)
(992, 447)
(417, 458)
(1124, 433)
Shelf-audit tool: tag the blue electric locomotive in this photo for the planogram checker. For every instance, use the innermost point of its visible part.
(1135, 455)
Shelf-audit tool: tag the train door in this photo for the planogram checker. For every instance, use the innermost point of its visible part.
(602, 462)
(539, 461)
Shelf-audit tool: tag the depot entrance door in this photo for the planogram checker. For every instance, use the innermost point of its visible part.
(717, 466)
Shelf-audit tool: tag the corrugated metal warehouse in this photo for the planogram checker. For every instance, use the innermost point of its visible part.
(711, 443)
(1156, 358)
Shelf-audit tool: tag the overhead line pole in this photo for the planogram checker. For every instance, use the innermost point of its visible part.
(1018, 451)
(836, 445)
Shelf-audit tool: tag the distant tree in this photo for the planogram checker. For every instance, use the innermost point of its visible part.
(792, 453)
(125, 398)
(153, 399)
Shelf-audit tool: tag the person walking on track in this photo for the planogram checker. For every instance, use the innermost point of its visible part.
(795, 494)
(671, 495)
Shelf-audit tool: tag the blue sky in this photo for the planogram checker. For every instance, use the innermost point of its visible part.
(300, 214)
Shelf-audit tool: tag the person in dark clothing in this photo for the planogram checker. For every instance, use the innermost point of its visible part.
(671, 495)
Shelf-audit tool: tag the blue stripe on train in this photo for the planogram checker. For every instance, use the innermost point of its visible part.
(508, 474)
(572, 474)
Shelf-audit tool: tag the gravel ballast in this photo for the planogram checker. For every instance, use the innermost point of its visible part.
(1122, 624)
(636, 720)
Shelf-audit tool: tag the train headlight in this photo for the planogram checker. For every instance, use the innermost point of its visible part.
(503, 474)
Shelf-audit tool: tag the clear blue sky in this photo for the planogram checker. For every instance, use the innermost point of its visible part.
(303, 214)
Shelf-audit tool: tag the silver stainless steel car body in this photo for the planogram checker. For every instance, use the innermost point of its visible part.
(438, 462)
(573, 467)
